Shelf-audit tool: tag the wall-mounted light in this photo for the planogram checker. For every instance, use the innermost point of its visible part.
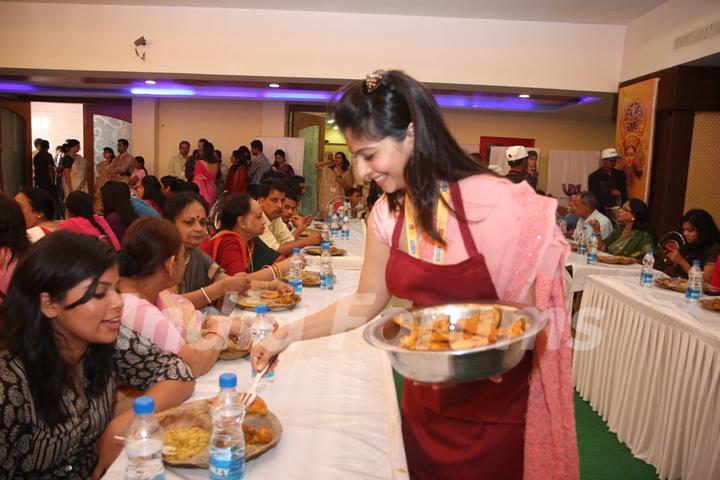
(274, 85)
(331, 121)
(335, 127)
(523, 95)
(140, 42)
(150, 82)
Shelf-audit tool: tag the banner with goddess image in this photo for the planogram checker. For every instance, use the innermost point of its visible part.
(634, 135)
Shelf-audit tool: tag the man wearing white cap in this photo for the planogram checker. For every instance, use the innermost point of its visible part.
(607, 183)
(517, 159)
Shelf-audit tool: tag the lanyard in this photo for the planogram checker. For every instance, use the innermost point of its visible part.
(440, 225)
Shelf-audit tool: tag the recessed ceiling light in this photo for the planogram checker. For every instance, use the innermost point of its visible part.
(331, 121)
(150, 82)
(274, 85)
(524, 95)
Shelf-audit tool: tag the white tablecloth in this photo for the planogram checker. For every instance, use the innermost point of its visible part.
(581, 270)
(354, 246)
(653, 374)
(335, 398)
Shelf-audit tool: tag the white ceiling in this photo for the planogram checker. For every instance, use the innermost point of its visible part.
(608, 12)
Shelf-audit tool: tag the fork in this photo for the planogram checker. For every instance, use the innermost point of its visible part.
(248, 397)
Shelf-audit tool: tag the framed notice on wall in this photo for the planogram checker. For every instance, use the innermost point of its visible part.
(634, 135)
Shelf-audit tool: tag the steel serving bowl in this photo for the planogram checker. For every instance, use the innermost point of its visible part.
(453, 366)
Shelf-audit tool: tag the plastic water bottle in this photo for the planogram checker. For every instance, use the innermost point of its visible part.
(345, 232)
(582, 246)
(695, 283)
(646, 274)
(260, 329)
(295, 276)
(592, 249)
(334, 226)
(326, 269)
(227, 443)
(144, 443)
(326, 230)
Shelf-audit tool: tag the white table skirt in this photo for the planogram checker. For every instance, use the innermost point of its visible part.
(335, 398)
(653, 375)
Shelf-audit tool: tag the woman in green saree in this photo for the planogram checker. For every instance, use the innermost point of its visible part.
(633, 236)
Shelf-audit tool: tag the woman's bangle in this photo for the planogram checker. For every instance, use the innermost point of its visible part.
(272, 269)
(224, 340)
(209, 302)
(276, 271)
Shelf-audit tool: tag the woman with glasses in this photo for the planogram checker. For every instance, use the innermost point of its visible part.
(633, 236)
(498, 241)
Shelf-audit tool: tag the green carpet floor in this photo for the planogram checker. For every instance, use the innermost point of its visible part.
(602, 456)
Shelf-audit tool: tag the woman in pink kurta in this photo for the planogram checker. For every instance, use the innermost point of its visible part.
(499, 241)
(206, 169)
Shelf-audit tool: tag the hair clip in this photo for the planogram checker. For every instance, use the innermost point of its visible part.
(374, 80)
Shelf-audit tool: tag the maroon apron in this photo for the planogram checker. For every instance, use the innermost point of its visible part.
(470, 430)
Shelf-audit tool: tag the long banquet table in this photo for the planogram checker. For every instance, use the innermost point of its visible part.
(335, 398)
(649, 363)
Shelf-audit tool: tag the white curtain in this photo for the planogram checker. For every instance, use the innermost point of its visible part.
(568, 171)
(294, 150)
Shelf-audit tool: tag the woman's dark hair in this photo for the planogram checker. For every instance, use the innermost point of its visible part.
(80, 204)
(31, 336)
(208, 153)
(384, 106)
(13, 235)
(178, 202)
(116, 199)
(110, 151)
(278, 152)
(153, 190)
(70, 143)
(237, 205)
(704, 224)
(344, 162)
(147, 244)
(243, 156)
(40, 201)
(168, 181)
(141, 161)
(642, 215)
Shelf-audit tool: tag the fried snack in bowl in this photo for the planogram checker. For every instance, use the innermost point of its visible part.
(456, 342)
(269, 294)
(258, 407)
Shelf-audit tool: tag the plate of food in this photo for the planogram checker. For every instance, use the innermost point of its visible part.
(455, 342)
(711, 304)
(310, 278)
(188, 428)
(334, 251)
(675, 284)
(234, 350)
(271, 298)
(616, 260)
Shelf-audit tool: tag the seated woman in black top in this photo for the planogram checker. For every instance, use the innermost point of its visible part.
(702, 243)
(62, 348)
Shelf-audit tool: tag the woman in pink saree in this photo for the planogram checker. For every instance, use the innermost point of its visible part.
(206, 169)
(498, 241)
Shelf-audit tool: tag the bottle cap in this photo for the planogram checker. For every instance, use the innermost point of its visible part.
(696, 263)
(143, 405)
(296, 250)
(261, 308)
(228, 380)
(650, 251)
(326, 245)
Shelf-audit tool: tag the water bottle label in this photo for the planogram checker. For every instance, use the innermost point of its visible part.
(326, 281)
(592, 258)
(692, 294)
(268, 374)
(226, 468)
(581, 249)
(334, 232)
(646, 278)
(296, 284)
